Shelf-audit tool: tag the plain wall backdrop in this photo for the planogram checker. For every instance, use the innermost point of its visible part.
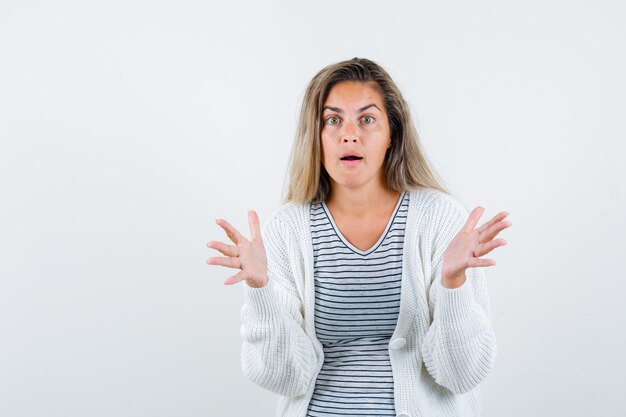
(128, 127)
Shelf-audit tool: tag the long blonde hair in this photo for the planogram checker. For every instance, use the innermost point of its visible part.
(405, 164)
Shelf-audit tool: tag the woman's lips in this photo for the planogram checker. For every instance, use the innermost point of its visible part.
(351, 162)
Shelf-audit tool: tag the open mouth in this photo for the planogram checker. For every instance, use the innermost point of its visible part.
(351, 158)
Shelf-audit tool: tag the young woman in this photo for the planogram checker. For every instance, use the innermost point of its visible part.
(364, 293)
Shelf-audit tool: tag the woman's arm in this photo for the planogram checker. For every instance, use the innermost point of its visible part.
(276, 353)
(459, 348)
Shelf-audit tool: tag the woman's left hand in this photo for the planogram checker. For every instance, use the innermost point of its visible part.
(465, 250)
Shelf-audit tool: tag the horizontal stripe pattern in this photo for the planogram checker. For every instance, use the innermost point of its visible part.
(357, 302)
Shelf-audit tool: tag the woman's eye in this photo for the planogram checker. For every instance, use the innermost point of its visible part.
(367, 120)
(333, 120)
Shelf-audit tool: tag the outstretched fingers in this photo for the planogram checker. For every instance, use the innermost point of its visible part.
(480, 262)
(240, 276)
(246, 255)
(255, 228)
(224, 249)
(225, 261)
(232, 233)
(493, 231)
(495, 220)
(485, 248)
(473, 218)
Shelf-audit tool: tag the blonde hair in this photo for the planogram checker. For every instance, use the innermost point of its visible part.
(405, 164)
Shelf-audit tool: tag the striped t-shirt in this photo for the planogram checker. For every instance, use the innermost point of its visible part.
(357, 301)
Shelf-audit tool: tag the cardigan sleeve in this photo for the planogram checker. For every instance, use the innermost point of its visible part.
(459, 348)
(276, 353)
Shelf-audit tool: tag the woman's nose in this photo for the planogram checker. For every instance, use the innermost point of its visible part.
(349, 133)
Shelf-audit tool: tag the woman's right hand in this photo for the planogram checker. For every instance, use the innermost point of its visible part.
(246, 255)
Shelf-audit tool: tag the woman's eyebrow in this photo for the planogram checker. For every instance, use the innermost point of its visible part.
(338, 110)
(368, 106)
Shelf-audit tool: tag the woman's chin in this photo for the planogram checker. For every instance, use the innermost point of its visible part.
(350, 182)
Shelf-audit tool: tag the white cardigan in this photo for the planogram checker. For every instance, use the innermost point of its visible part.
(443, 345)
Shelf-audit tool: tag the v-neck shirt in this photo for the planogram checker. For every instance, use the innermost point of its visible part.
(382, 236)
(357, 302)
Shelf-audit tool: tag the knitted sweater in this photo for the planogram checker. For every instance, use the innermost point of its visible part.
(443, 345)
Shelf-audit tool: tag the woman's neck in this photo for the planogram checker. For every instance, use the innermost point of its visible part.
(361, 202)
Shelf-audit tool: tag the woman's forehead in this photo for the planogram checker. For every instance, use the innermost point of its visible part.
(353, 95)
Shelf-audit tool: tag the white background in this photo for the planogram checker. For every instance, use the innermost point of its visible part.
(128, 127)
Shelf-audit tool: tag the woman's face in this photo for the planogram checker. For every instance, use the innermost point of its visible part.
(354, 123)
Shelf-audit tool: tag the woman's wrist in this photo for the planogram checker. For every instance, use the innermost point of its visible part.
(257, 283)
(453, 281)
